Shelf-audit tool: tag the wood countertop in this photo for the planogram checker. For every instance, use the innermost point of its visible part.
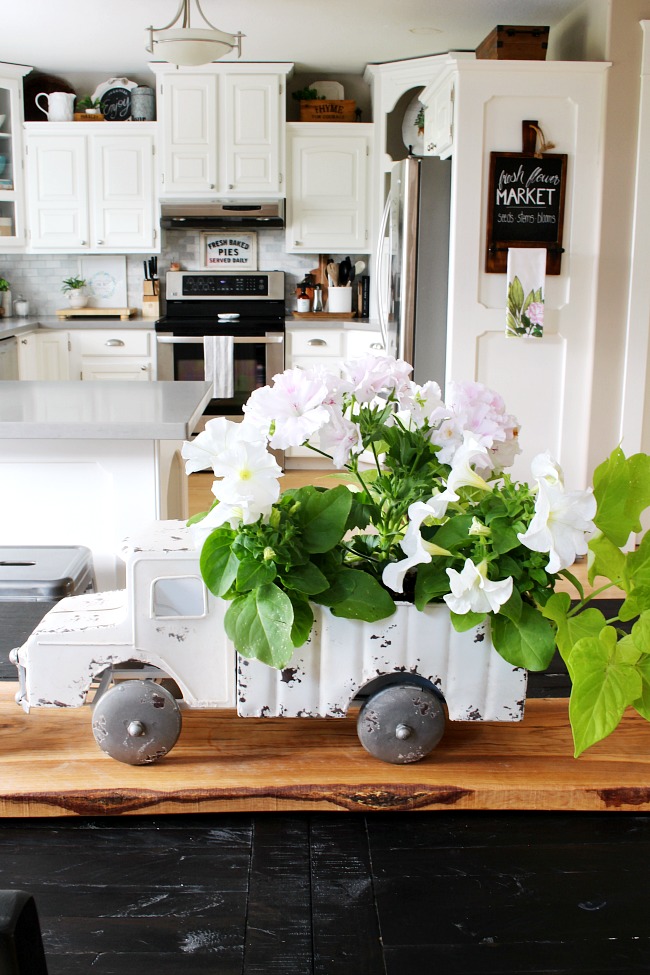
(51, 766)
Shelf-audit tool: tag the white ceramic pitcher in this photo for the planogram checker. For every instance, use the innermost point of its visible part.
(60, 105)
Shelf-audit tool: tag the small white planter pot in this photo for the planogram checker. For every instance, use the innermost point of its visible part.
(77, 298)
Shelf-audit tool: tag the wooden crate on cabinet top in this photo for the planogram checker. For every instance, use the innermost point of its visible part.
(509, 43)
(324, 110)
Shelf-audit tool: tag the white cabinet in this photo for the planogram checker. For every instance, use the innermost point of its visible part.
(439, 117)
(12, 210)
(44, 355)
(91, 190)
(328, 187)
(113, 354)
(222, 129)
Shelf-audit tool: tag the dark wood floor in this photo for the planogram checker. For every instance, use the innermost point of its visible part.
(335, 894)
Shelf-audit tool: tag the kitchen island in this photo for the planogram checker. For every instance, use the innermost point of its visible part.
(86, 463)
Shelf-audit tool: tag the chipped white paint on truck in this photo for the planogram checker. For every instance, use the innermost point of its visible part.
(166, 618)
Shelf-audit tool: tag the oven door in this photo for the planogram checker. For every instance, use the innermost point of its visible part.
(256, 359)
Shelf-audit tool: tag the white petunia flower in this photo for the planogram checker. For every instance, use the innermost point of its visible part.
(219, 436)
(462, 474)
(560, 525)
(416, 549)
(472, 591)
(250, 475)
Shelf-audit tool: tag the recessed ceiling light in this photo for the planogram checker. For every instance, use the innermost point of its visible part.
(425, 30)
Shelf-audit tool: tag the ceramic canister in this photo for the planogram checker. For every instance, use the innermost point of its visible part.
(143, 104)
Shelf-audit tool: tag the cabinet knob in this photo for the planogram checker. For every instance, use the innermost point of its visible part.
(431, 146)
(231, 186)
(296, 243)
(23, 342)
(376, 345)
(83, 243)
(211, 186)
(143, 368)
(100, 241)
(317, 342)
(113, 342)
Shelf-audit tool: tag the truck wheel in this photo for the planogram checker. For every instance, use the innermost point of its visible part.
(136, 722)
(401, 723)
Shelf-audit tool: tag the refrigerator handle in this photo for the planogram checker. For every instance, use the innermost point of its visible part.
(379, 260)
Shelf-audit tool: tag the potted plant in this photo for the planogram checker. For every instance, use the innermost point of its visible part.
(88, 105)
(5, 297)
(73, 289)
(429, 516)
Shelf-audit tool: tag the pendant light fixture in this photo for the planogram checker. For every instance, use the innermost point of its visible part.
(185, 45)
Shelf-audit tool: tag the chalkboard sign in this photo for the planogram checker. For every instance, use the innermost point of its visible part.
(525, 207)
(115, 99)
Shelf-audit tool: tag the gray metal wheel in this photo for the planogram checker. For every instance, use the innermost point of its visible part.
(136, 722)
(401, 723)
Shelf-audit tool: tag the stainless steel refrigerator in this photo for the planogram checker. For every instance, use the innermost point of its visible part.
(413, 265)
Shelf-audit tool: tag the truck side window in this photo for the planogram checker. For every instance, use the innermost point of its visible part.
(180, 596)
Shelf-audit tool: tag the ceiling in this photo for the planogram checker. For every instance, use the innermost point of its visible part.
(95, 38)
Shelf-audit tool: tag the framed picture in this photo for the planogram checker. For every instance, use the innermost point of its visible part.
(229, 250)
(525, 207)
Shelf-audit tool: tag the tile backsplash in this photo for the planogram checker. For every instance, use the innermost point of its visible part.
(38, 277)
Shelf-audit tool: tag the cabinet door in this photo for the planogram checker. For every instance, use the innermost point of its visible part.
(44, 355)
(327, 197)
(12, 222)
(122, 192)
(190, 133)
(250, 130)
(57, 184)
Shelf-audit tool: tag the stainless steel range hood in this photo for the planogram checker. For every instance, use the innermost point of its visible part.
(221, 214)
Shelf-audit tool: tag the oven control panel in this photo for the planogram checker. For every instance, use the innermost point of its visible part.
(223, 284)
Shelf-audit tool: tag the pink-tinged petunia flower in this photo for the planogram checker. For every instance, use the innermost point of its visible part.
(291, 410)
(365, 378)
(340, 438)
(472, 591)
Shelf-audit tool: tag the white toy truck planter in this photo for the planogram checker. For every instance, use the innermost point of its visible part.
(158, 646)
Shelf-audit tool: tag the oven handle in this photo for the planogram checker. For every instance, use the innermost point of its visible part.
(237, 340)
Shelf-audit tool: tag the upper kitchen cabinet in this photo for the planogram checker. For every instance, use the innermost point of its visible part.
(12, 220)
(222, 129)
(328, 187)
(91, 188)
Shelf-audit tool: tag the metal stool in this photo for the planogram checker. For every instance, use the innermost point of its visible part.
(33, 578)
(21, 945)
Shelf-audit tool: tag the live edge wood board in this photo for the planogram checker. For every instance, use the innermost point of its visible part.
(50, 766)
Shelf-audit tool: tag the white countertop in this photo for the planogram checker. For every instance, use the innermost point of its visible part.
(101, 410)
(17, 326)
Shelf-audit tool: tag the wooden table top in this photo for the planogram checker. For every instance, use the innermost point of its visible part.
(51, 766)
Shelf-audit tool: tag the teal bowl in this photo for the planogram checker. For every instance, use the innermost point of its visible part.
(3, 163)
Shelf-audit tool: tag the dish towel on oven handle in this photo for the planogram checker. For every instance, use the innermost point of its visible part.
(526, 281)
(218, 359)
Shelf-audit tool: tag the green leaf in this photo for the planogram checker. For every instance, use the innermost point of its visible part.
(640, 633)
(605, 682)
(526, 642)
(305, 578)
(322, 516)
(570, 629)
(357, 595)
(453, 534)
(608, 560)
(462, 622)
(636, 571)
(218, 564)
(252, 574)
(303, 620)
(260, 624)
(622, 490)
(431, 582)
(515, 295)
(637, 602)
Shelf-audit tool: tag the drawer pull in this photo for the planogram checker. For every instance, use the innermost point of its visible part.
(376, 345)
(317, 342)
(114, 342)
